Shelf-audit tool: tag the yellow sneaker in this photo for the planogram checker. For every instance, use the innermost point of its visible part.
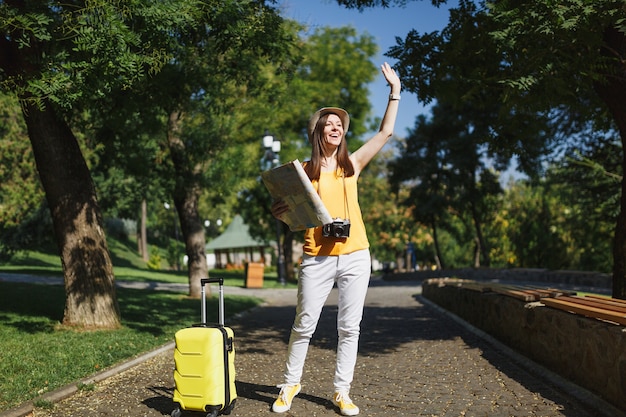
(345, 404)
(283, 402)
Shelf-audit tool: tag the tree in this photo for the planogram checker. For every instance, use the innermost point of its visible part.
(59, 57)
(564, 64)
(218, 66)
(536, 229)
(390, 225)
(26, 48)
(422, 159)
(591, 208)
(442, 160)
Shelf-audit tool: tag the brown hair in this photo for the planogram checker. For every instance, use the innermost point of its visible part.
(314, 166)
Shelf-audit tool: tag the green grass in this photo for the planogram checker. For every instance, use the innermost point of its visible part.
(38, 355)
(127, 266)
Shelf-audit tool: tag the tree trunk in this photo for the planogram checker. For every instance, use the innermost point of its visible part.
(438, 257)
(186, 196)
(612, 92)
(91, 300)
(480, 240)
(193, 234)
(476, 252)
(142, 238)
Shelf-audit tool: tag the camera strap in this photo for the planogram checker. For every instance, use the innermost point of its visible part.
(346, 208)
(345, 198)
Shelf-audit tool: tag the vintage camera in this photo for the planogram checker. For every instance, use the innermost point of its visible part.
(339, 228)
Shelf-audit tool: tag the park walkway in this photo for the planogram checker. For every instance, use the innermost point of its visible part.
(415, 360)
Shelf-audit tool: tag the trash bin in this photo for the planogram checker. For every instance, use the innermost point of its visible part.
(254, 275)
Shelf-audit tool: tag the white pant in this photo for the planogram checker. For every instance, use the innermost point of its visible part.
(317, 277)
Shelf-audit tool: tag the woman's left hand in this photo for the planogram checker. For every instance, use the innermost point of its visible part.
(392, 78)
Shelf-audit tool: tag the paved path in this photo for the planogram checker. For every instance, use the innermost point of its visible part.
(415, 360)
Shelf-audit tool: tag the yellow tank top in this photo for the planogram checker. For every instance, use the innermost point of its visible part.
(330, 187)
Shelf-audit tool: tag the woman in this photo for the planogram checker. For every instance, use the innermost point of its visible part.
(334, 253)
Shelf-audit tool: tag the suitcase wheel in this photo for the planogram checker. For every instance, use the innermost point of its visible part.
(230, 408)
(177, 412)
(214, 412)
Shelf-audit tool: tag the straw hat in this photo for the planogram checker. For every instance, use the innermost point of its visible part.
(343, 115)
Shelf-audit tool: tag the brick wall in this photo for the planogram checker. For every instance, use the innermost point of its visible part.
(589, 352)
(536, 275)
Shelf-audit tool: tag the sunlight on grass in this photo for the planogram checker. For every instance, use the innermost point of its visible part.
(127, 266)
(38, 355)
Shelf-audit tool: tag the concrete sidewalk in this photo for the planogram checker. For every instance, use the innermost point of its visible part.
(415, 360)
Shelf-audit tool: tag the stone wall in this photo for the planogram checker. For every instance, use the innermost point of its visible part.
(589, 352)
(536, 275)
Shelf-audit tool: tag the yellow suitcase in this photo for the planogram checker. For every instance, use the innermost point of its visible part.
(205, 364)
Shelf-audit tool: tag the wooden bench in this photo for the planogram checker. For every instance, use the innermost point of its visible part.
(521, 292)
(594, 306)
(529, 294)
(603, 308)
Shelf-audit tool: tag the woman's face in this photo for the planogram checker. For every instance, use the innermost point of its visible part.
(333, 130)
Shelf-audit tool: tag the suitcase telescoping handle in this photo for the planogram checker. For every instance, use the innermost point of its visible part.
(219, 281)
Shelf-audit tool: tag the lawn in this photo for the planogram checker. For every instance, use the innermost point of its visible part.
(39, 355)
(127, 266)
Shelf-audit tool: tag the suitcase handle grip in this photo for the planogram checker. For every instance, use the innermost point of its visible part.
(205, 281)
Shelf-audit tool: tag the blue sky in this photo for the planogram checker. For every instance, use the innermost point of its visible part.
(384, 25)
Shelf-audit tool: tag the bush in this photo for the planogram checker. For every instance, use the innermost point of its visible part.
(155, 259)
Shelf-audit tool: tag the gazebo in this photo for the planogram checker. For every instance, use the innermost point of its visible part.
(237, 244)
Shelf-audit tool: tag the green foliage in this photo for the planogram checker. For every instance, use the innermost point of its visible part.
(24, 221)
(442, 163)
(390, 226)
(542, 224)
(536, 229)
(155, 259)
(91, 49)
(235, 69)
(45, 404)
(347, 88)
(528, 72)
(543, 74)
(593, 208)
(539, 32)
(20, 191)
(364, 4)
(174, 254)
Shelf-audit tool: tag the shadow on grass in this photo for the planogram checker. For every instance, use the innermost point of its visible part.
(34, 308)
(151, 311)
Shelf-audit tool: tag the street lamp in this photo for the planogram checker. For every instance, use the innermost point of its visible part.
(270, 157)
(212, 228)
(271, 160)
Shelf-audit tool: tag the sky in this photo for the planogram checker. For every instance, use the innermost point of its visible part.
(384, 24)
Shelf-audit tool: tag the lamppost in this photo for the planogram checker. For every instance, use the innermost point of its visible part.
(271, 160)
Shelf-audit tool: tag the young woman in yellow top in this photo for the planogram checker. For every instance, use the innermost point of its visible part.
(336, 253)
